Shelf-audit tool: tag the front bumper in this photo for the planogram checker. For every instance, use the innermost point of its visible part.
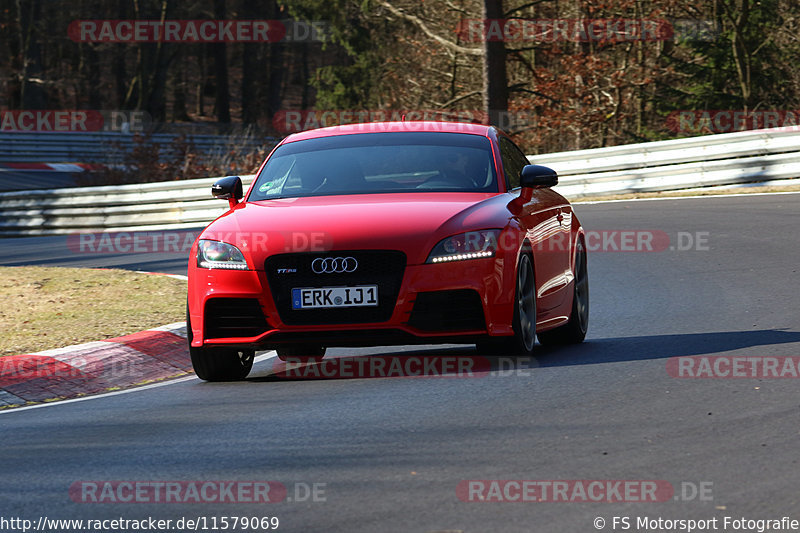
(454, 288)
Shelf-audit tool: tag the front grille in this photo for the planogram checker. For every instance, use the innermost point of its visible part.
(457, 310)
(234, 317)
(383, 268)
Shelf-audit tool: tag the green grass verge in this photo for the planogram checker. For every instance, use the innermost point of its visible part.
(48, 307)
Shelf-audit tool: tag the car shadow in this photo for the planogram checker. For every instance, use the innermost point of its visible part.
(442, 362)
(622, 349)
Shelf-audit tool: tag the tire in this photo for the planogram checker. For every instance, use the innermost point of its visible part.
(302, 353)
(574, 331)
(523, 340)
(219, 364)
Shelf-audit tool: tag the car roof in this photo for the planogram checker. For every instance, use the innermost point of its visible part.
(394, 127)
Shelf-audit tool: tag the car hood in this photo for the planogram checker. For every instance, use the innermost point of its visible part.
(409, 222)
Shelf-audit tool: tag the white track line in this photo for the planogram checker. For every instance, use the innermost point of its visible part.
(258, 359)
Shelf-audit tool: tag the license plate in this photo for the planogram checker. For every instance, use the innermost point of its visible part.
(335, 297)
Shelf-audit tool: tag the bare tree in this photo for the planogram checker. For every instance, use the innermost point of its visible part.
(495, 82)
(222, 105)
(32, 94)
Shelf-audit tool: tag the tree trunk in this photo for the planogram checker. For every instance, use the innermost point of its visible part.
(495, 84)
(276, 71)
(120, 74)
(179, 111)
(32, 93)
(222, 107)
(200, 87)
(254, 65)
(155, 103)
(741, 55)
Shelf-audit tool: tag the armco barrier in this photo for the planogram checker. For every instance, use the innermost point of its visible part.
(721, 159)
(110, 147)
(147, 206)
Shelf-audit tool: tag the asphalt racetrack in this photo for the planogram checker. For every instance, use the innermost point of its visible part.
(394, 454)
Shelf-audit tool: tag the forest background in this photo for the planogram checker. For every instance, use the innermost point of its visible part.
(556, 74)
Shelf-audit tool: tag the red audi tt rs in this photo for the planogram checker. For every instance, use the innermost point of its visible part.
(385, 234)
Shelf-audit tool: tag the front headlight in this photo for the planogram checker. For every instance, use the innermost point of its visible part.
(470, 245)
(217, 254)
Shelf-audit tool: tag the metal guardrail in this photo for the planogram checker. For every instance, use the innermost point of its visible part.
(110, 147)
(665, 165)
(710, 160)
(140, 207)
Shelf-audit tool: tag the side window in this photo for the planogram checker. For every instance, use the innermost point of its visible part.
(513, 162)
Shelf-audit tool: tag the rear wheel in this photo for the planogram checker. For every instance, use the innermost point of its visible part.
(303, 353)
(574, 331)
(524, 323)
(219, 364)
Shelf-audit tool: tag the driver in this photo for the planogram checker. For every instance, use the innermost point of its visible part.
(464, 168)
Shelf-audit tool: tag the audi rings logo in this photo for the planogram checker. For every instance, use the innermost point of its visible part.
(334, 265)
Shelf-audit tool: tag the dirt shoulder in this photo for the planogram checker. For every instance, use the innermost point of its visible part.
(49, 307)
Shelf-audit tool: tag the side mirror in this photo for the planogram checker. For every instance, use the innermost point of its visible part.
(537, 177)
(228, 188)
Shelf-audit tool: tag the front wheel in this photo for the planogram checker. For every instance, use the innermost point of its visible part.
(574, 331)
(219, 364)
(524, 323)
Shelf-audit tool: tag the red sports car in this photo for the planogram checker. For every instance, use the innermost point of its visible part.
(385, 234)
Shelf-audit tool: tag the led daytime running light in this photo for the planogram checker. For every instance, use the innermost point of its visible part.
(462, 257)
(223, 265)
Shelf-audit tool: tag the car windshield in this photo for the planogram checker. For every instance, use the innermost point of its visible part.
(378, 163)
